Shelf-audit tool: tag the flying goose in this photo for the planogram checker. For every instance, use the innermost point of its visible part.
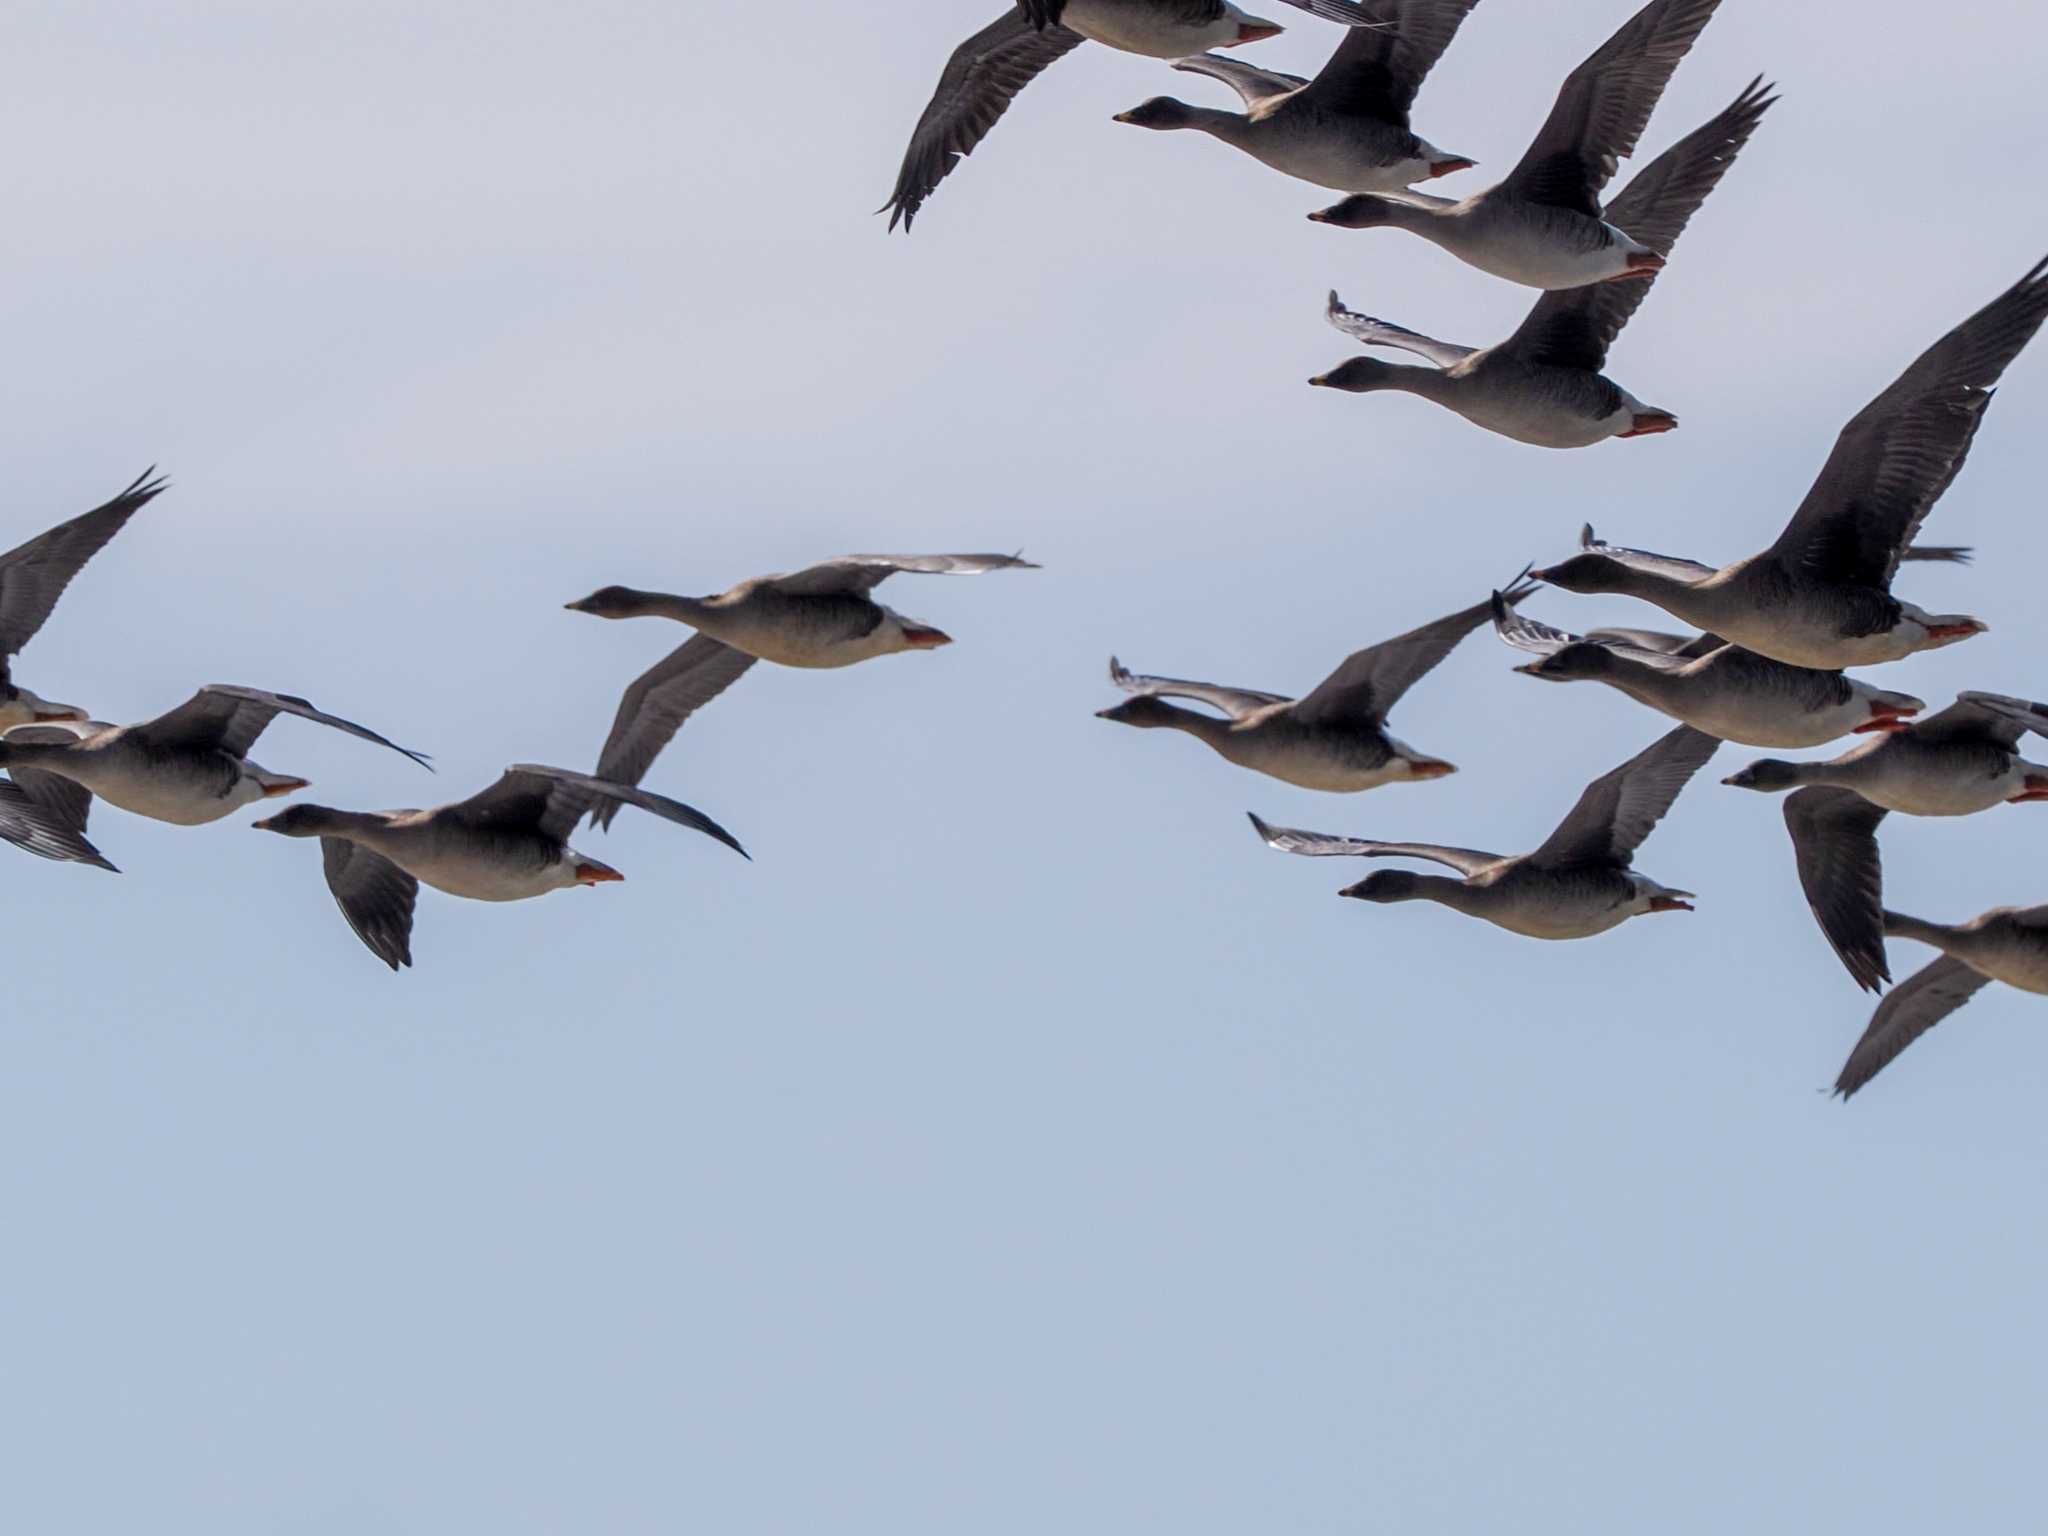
(1708, 684)
(1543, 227)
(188, 767)
(1543, 385)
(992, 66)
(506, 843)
(1333, 738)
(1821, 596)
(820, 616)
(2008, 944)
(34, 576)
(1577, 884)
(1347, 129)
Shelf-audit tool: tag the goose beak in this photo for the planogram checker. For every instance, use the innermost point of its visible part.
(263, 825)
(1321, 381)
(1320, 216)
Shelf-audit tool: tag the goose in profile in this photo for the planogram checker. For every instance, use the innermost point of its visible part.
(821, 616)
(188, 767)
(507, 843)
(1544, 384)
(991, 67)
(1708, 684)
(1821, 595)
(1957, 763)
(1578, 884)
(1543, 227)
(35, 575)
(1334, 738)
(2008, 944)
(1348, 128)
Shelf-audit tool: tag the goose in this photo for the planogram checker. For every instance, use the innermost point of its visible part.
(1578, 884)
(188, 767)
(991, 67)
(45, 831)
(820, 616)
(1543, 385)
(1708, 684)
(2008, 944)
(1347, 129)
(506, 843)
(1956, 763)
(35, 575)
(1821, 595)
(1333, 738)
(1543, 227)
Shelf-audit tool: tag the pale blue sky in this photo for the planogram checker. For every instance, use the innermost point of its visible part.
(1016, 1145)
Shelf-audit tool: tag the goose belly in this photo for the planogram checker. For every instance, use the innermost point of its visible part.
(478, 880)
(1540, 423)
(1328, 760)
(2028, 972)
(1578, 919)
(1801, 641)
(1951, 794)
(1776, 724)
(1147, 27)
(183, 798)
(1326, 157)
(1565, 250)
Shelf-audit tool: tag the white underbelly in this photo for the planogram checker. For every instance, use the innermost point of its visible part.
(169, 801)
(1536, 263)
(2028, 973)
(461, 878)
(1541, 426)
(1328, 163)
(1944, 797)
(1775, 726)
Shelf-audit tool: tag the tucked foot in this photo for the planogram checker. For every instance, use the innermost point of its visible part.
(1962, 631)
(922, 637)
(1650, 423)
(1430, 768)
(1253, 31)
(1669, 904)
(590, 872)
(283, 786)
(1445, 168)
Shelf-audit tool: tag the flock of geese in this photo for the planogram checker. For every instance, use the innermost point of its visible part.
(1763, 664)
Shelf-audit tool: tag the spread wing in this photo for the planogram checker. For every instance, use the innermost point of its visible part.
(1604, 106)
(1574, 327)
(1252, 84)
(1379, 66)
(231, 718)
(1370, 682)
(2007, 719)
(35, 575)
(1234, 702)
(1834, 840)
(1540, 639)
(974, 91)
(656, 705)
(551, 801)
(1901, 452)
(1621, 808)
(1317, 845)
(47, 825)
(1673, 566)
(375, 895)
(1684, 647)
(1916, 1005)
(1384, 333)
(863, 573)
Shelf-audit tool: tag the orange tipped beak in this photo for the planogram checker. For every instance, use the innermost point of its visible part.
(596, 874)
(1254, 31)
(1669, 904)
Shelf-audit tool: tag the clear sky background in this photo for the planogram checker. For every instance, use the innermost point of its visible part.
(1016, 1146)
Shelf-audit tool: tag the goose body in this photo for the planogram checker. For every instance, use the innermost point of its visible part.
(1579, 884)
(1333, 738)
(1526, 244)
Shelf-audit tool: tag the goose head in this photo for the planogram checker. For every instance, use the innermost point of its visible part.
(1361, 210)
(1141, 711)
(1573, 663)
(613, 603)
(1385, 885)
(1588, 573)
(300, 821)
(1362, 375)
(1160, 112)
(1767, 775)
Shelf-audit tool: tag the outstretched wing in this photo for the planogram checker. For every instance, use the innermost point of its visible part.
(34, 576)
(1672, 566)
(1574, 327)
(1903, 450)
(1604, 106)
(1384, 333)
(1378, 68)
(1234, 702)
(656, 705)
(974, 91)
(375, 895)
(1370, 682)
(1318, 845)
(1252, 84)
(35, 825)
(552, 800)
(1834, 840)
(1621, 808)
(231, 718)
(863, 573)
(1540, 639)
(1916, 1005)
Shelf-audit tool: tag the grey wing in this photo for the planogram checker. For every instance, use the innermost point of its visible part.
(1574, 327)
(1916, 1005)
(1660, 641)
(231, 717)
(656, 705)
(1892, 463)
(2014, 716)
(1673, 566)
(1834, 841)
(1621, 808)
(1252, 84)
(34, 575)
(974, 91)
(1951, 554)
(35, 825)
(1384, 333)
(1234, 702)
(1604, 106)
(1540, 639)
(1977, 717)
(1043, 13)
(863, 573)
(1370, 682)
(1346, 13)
(570, 793)
(1318, 845)
(375, 895)
(1378, 68)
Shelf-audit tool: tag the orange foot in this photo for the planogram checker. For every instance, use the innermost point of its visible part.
(1650, 423)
